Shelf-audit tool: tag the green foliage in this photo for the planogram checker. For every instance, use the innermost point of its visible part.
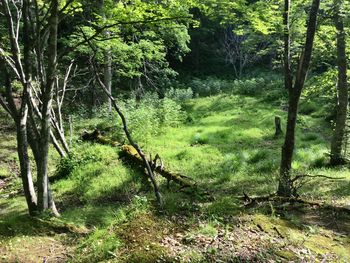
(308, 107)
(199, 139)
(208, 86)
(170, 113)
(249, 86)
(179, 95)
(76, 158)
(100, 245)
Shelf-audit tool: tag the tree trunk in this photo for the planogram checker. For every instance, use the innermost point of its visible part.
(44, 201)
(22, 149)
(278, 126)
(108, 62)
(288, 80)
(108, 76)
(342, 90)
(285, 187)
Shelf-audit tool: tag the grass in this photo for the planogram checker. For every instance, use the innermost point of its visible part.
(226, 143)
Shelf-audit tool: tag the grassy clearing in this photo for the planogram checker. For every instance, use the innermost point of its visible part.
(227, 144)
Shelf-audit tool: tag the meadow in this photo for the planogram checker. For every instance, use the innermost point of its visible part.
(223, 142)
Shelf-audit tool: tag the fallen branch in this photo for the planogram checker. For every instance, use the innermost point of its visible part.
(251, 201)
(316, 176)
(132, 155)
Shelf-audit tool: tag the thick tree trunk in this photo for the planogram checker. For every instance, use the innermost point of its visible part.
(285, 187)
(342, 96)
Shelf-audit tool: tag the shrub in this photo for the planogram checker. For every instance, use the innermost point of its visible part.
(170, 114)
(258, 156)
(199, 139)
(209, 86)
(249, 87)
(308, 107)
(81, 156)
(179, 95)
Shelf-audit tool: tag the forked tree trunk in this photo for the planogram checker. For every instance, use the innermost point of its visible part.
(285, 187)
(342, 89)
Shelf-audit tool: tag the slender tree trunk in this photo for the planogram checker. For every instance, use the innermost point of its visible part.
(26, 174)
(45, 200)
(108, 76)
(342, 90)
(107, 80)
(285, 187)
(288, 80)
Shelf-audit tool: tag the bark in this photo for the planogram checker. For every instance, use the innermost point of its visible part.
(107, 80)
(22, 149)
(108, 76)
(342, 90)
(278, 126)
(45, 200)
(285, 186)
(288, 80)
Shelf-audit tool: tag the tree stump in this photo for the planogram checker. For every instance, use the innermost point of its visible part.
(278, 128)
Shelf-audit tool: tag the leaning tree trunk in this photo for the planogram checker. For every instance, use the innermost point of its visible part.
(285, 187)
(342, 90)
(22, 149)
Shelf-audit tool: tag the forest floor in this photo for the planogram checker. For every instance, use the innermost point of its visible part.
(227, 145)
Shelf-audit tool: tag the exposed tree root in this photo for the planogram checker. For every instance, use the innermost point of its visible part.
(252, 201)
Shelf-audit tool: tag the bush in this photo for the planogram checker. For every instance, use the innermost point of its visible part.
(209, 86)
(308, 107)
(179, 95)
(79, 157)
(199, 139)
(249, 87)
(143, 118)
(150, 116)
(170, 114)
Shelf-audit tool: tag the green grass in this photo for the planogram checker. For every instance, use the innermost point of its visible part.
(227, 145)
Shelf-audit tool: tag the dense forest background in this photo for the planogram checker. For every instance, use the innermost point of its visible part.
(174, 131)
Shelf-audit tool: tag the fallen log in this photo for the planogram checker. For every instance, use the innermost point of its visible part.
(131, 155)
(97, 136)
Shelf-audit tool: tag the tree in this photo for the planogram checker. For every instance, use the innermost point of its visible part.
(30, 57)
(285, 187)
(342, 87)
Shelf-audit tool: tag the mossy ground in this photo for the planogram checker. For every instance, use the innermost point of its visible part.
(227, 145)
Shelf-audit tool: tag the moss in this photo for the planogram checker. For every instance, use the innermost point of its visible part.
(286, 254)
